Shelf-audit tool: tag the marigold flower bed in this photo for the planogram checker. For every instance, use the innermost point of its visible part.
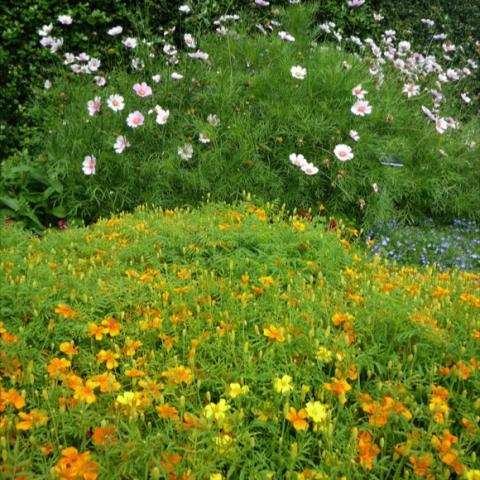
(231, 342)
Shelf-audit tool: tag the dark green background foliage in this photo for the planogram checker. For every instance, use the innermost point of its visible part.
(24, 63)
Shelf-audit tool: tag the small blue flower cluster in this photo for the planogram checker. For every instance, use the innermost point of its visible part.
(448, 246)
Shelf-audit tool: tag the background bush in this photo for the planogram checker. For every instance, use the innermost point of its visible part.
(265, 116)
(24, 64)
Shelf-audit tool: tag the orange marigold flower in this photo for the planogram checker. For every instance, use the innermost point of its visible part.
(450, 458)
(111, 326)
(107, 382)
(58, 367)
(421, 465)
(134, 373)
(86, 393)
(178, 375)
(104, 436)
(75, 466)
(276, 334)
(109, 358)
(96, 331)
(169, 460)
(12, 397)
(367, 451)
(339, 318)
(339, 388)
(131, 346)
(167, 411)
(298, 419)
(65, 311)
(35, 418)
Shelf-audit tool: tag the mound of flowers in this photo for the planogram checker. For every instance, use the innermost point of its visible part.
(227, 342)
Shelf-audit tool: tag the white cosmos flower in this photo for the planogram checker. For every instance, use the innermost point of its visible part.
(69, 58)
(176, 76)
(156, 78)
(121, 144)
(47, 85)
(130, 42)
(162, 115)
(343, 152)
(199, 55)
(297, 159)
(298, 72)
(466, 98)
(184, 9)
(359, 92)
(185, 151)
(441, 125)
(65, 19)
(361, 108)
(309, 169)
(116, 102)
(411, 89)
(375, 187)
(213, 120)
(94, 106)
(89, 165)
(354, 135)
(100, 81)
(135, 119)
(94, 64)
(285, 36)
(203, 138)
(45, 30)
(115, 31)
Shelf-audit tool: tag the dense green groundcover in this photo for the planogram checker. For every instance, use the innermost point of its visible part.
(231, 342)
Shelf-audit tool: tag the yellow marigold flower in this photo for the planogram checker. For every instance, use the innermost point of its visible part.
(298, 419)
(339, 318)
(86, 393)
(472, 475)
(283, 385)
(276, 334)
(111, 326)
(298, 225)
(96, 331)
(217, 410)
(235, 389)
(267, 281)
(68, 348)
(216, 476)
(107, 382)
(109, 358)
(35, 418)
(317, 411)
(324, 355)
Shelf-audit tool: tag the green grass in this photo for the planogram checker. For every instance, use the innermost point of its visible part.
(265, 116)
(205, 290)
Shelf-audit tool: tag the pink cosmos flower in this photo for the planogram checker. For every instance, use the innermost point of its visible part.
(89, 165)
(121, 144)
(359, 92)
(94, 106)
(135, 119)
(361, 108)
(142, 89)
(115, 31)
(189, 40)
(441, 125)
(343, 152)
